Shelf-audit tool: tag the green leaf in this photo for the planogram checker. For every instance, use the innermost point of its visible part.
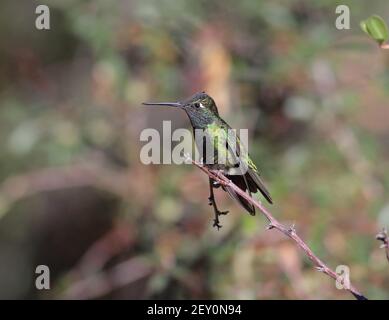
(376, 28)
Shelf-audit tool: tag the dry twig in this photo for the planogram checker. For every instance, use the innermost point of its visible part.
(274, 224)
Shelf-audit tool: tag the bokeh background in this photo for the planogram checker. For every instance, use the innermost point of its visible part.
(75, 196)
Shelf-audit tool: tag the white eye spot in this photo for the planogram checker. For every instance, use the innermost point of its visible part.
(201, 105)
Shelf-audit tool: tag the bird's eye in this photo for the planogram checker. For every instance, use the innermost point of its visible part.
(197, 105)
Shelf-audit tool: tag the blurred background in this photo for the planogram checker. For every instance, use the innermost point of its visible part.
(74, 195)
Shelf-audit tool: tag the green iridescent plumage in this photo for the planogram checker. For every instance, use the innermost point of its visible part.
(218, 136)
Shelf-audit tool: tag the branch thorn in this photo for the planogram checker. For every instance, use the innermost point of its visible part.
(320, 269)
(269, 227)
(292, 229)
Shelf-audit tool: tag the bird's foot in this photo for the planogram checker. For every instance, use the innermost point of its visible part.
(216, 223)
(212, 202)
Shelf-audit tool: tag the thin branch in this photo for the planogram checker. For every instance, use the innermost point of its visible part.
(383, 236)
(274, 224)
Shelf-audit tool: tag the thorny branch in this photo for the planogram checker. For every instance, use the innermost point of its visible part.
(274, 224)
(383, 236)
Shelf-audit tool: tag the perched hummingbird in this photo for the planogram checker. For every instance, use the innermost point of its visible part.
(203, 115)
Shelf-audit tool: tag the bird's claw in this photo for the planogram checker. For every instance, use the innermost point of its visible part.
(212, 202)
(216, 223)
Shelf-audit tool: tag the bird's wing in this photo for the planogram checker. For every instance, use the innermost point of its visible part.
(241, 182)
(253, 179)
(226, 141)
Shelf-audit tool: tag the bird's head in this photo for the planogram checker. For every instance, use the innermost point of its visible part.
(199, 103)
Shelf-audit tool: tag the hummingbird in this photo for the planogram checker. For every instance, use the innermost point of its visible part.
(237, 167)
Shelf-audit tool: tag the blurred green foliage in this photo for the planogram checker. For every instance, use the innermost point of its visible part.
(74, 195)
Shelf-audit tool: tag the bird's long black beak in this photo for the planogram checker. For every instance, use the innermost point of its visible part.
(166, 104)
